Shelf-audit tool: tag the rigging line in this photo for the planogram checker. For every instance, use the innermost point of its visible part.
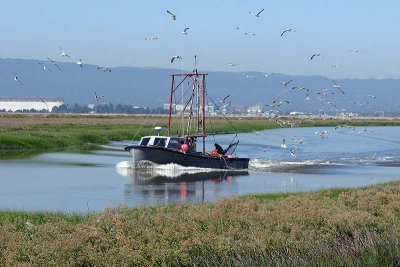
(141, 125)
(222, 114)
(211, 125)
(183, 111)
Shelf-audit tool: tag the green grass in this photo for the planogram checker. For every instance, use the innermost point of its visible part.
(338, 227)
(30, 140)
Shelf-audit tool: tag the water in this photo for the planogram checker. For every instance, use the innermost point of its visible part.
(71, 182)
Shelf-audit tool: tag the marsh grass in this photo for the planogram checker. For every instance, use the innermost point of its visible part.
(33, 134)
(357, 227)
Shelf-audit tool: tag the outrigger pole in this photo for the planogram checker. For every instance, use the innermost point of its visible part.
(195, 81)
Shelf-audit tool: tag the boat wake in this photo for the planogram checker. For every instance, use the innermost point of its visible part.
(146, 168)
(265, 165)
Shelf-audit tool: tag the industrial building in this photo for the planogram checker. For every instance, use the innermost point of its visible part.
(13, 104)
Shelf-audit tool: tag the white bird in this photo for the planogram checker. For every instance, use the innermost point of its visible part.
(322, 134)
(285, 31)
(223, 99)
(248, 76)
(232, 65)
(315, 55)
(80, 62)
(330, 103)
(257, 14)
(285, 83)
(63, 54)
(263, 149)
(300, 88)
(293, 151)
(151, 38)
(226, 105)
(283, 145)
(300, 140)
(104, 69)
(277, 103)
(44, 66)
(266, 75)
(185, 31)
(172, 15)
(249, 33)
(98, 97)
(175, 57)
(337, 86)
(54, 63)
(17, 80)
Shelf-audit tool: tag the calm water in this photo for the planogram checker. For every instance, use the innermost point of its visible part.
(92, 182)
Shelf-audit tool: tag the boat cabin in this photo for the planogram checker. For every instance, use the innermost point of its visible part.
(169, 142)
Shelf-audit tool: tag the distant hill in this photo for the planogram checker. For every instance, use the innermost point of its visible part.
(150, 87)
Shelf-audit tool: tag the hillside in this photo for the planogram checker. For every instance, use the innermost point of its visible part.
(150, 87)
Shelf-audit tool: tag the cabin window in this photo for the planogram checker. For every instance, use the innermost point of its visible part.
(174, 143)
(145, 141)
(160, 142)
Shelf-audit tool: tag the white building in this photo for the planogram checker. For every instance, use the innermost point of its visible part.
(28, 103)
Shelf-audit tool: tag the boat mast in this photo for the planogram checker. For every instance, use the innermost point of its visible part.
(199, 86)
(170, 104)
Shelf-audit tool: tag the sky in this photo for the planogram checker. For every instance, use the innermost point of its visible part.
(112, 33)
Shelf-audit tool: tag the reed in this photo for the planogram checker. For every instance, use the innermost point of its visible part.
(352, 227)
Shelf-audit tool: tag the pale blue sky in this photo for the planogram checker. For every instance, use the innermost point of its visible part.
(111, 33)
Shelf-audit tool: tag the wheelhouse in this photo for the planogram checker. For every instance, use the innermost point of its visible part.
(169, 142)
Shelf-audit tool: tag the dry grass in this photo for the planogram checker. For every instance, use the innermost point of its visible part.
(15, 121)
(336, 228)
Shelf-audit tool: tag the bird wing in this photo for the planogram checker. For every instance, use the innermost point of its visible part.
(172, 14)
(258, 14)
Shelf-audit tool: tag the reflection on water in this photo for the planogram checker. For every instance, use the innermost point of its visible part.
(172, 186)
(94, 180)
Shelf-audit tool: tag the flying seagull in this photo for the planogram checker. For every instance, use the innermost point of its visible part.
(257, 14)
(248, 76)
(285, 83)
(104, 69)
(285, 31)
(54, 63)
(266, 75)
(223, 99)
(44, 66)
(172, 15)
(175, 57)
(337, 86)
(151, 38)
(98, 97)
(185, 31)
(63, 54)
(315, 55)
(17, 80)
(232, 65)
(300, 88)
(80, 62)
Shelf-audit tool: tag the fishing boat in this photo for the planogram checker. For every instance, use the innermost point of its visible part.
(182, 148)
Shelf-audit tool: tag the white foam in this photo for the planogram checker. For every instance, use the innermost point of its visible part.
(125, 164)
